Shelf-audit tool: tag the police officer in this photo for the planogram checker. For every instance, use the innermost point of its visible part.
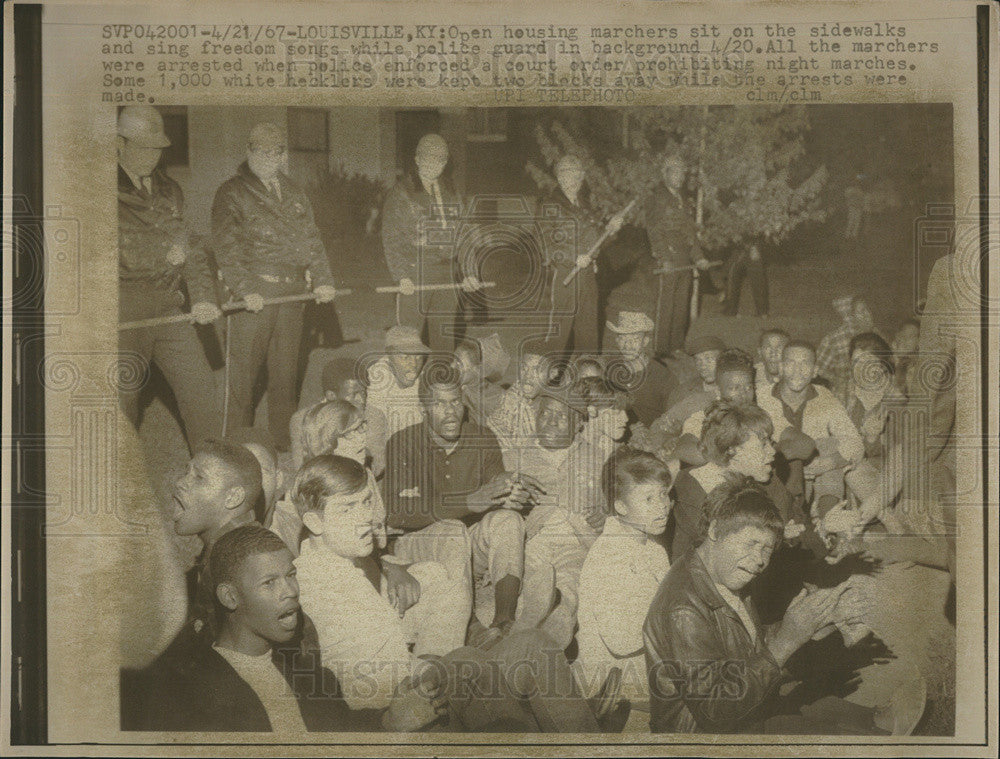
(421, 213)
(267, 245)
(155, 256)
(674, 244)
(565, 246)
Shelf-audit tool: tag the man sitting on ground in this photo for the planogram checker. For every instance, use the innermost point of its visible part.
(248, 679)
(712, 667)
(446, 490)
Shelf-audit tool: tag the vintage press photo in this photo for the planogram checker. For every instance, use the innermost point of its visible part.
(428, 379)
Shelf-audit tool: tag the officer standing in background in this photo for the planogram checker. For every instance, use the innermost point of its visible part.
(673, 241)
(565, 246)
(422, 211)
(154, 256)
(267, 245)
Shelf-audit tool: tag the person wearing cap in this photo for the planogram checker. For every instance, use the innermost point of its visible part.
(833, 362)
(392, 379)
(572, 442)
(573, 306)
(704, 350)
(267, 245)
(673, 241)
(418, 212)
(155, 256)
(633, 370)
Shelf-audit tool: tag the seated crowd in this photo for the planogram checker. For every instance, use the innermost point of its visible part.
(604, 544)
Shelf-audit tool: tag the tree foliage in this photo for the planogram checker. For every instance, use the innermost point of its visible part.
(748, 161)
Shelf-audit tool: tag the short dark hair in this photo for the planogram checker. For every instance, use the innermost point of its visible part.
(804, 344)
(437, 374)
(775, 331)
(734, 360)
(728, 425)
(737, 502)
(338, 371)
(241, 463)
(235, 547)
(626, 468)
(874, 344)
(324, 476)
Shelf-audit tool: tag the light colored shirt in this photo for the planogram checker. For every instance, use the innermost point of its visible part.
(617, 583)
(824, 416)
(571, 479)
(400, 405)
(361, 637)
(266, 680)
(762, 381)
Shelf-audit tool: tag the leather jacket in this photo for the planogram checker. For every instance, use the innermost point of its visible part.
(259, 239)
(154, 248)
(705, 672)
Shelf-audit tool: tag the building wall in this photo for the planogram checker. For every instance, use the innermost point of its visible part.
(362, 140)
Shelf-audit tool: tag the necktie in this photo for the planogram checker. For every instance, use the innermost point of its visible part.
(147, 185)
(276, 188)
(438, 201)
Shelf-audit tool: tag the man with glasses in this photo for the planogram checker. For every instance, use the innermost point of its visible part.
(267, 245)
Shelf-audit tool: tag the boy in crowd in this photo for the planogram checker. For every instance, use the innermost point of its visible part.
(813, 417)
(340, 381)
(392, 380)
(216, 494)
(768, 367)
(577, 430)
(833, 363)
(712, 667)
(634, 370)
(249, 679)
(701, 389)
(622, 572)
(368, 644)
(482, 397)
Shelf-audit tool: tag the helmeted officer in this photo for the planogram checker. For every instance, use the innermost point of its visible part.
(267, 245)
(155, 256)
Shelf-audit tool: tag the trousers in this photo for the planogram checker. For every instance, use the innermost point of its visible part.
(673, 312)
(179, 355)
(434, 313)
(271, 336)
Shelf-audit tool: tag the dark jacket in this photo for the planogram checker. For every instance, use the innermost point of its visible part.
(407, 213)
(191, 687)
(567, 230)
(648, 390)
(255, 234)
(150, 226)
(672, 230)
(705, 673)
